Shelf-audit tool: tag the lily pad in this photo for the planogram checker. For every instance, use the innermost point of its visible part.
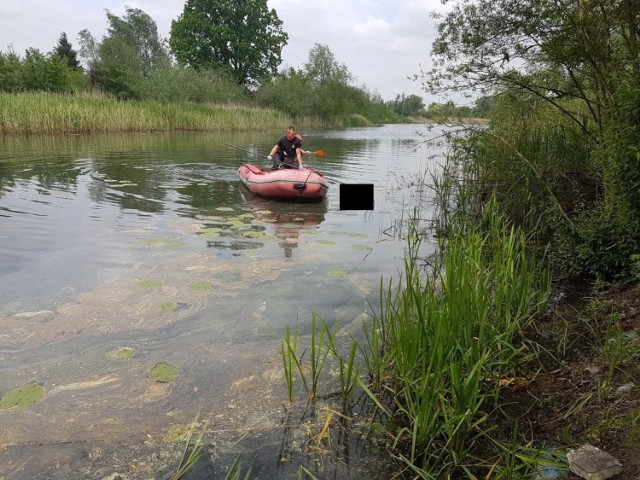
(22, 396)
(253, 234)
(262, 270)
(149, 283)
(169, 306)
(163, 372)
(214, 218)
(122, 353)
(360, 247)
(203, 285)
(240, 226)
(358, 235)
(337, 274)
(326, 242)
(164, 242)
(210, 232)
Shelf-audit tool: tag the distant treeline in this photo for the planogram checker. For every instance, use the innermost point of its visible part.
(131, 62)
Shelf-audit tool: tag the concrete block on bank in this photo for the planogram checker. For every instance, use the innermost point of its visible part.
(591, 463)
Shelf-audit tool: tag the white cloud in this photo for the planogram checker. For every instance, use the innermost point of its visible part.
(372, 26)
(381, 42)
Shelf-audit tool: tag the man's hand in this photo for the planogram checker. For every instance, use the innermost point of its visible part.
(269, 157)
(300, 167)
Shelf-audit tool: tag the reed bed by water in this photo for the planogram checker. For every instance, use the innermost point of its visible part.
(450, 337)
(443, 341)
(93, 113)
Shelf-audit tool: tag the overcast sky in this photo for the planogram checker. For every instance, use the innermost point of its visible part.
(382, 42)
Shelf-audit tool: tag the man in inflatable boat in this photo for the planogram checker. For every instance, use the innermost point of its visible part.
(287, 153)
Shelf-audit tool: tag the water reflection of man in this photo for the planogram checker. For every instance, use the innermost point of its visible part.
(288, 224)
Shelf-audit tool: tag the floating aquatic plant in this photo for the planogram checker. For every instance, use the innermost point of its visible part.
(360, 247)
(326, 242)
(240, 226)
(149, 283)
(210, 232)
(22, 396)
(253, 234)
(262, 270)
(163, 372)
(164, 242)
(337, 274)
(123, 353)
(201, 285)
(169, 306)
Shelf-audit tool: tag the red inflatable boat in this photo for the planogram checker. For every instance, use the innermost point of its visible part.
(288, 183)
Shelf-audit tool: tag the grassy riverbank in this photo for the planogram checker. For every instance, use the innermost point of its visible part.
(26, 113)
(474, 372)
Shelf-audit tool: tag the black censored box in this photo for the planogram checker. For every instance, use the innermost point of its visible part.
(356, 196)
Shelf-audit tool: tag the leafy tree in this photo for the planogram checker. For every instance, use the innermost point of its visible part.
(243, 36)
(139, 30)
(554, 49)
(118, 70)
(322, 88)
(566, 75)
(323, 67)
(47, 72)
(184, 84)
(64, 50)
(406, 106)
(10, 72)
(127, 55)
(291, 92)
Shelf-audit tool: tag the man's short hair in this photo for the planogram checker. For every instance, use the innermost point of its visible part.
(291, 127)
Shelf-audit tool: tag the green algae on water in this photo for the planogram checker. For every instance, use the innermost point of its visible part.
(326, 242)
(360, 247)
(240, 226)
(202, 285)
(163, 242)
(262, 270)
(22, 396)
(149, 283)
(210, 232)
(122, 353)
(163, 372)
(337, 274)
(169, 306)
(253, 234)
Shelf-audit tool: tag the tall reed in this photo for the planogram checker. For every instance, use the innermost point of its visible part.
(451, 335)
(95, 113)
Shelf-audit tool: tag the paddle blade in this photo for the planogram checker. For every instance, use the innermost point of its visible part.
(319, 153)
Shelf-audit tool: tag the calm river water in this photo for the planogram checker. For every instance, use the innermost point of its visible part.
(150, 242)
